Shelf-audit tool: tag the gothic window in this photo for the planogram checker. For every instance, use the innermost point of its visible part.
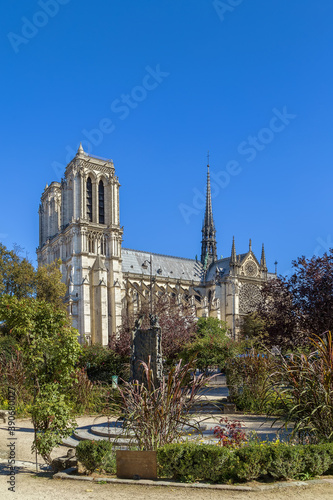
(91, 244)
(101, 202)
(89, 199)
(103, 245)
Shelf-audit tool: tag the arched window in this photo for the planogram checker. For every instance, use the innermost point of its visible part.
(101, 202)
(89, 199)
(103, 245)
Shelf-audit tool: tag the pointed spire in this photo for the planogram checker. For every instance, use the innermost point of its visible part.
(208, 243)
(263, 258)
(233, 259)
(250, 245)
(80, 151)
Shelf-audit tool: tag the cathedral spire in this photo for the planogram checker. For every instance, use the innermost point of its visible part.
(80, 151)
(263, 258)
(208, 243)
(233, 259)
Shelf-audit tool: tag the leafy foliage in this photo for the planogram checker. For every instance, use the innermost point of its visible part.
(293, 308)
(211, 346)
(194, 462)
(176, 321)
(49, 286)
(96, 455)
(248, 379)
(51, 415)
(19, 278)
(17, 275)
(253, 328)
(49, 350)
(13, 374)
(48, 343)
(102, 363)
(304, 385)
(231, 435)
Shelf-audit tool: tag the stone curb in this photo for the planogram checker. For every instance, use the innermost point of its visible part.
(66, 474)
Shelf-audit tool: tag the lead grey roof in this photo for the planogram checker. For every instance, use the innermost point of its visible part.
(221, 266)
(164, 266)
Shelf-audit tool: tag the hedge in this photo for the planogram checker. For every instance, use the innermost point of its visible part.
(211, 463)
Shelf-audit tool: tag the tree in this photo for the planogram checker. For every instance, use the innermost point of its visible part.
(49, 286)
(19, 278)
(210, 326)
(253, 328)
(17, 275)
(312, 290)
(295, 307)
(178, 326)
(48, 342)
(50, 351)
(211, 347)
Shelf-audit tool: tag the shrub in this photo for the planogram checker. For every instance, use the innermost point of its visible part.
(101, 363)
(306, 383)
(250, 462)
(51, 416)
(212, 349)
(194, 462)
(96, 455)
(155, 414)
(231, 435)
(248, 379)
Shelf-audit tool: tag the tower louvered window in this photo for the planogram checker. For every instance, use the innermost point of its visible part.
(89, 199)
(101, 217)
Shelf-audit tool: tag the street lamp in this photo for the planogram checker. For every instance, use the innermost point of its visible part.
(145, 266)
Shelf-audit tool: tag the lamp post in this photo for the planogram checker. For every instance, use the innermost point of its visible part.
(145, 266)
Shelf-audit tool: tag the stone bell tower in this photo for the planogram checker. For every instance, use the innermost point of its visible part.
(79, 223)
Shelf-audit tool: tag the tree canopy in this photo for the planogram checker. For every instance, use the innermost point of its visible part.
(177, 322)
(295, 307)
(19, 278)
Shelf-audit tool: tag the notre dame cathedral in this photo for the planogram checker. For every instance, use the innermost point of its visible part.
(79, 224)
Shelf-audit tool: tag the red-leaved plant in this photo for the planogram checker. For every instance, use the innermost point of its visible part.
(231, 435)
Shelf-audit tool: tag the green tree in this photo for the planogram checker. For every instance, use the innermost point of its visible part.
(49, 286)
(211, 347)
(17, 275)
(50, 351)
(210, 326)
(19, 278)
(253, 328)
(44, 334)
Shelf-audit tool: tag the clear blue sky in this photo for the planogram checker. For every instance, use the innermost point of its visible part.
(162, 82)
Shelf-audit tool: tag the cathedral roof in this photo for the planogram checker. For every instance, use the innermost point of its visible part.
(164, 266)
(222, 266)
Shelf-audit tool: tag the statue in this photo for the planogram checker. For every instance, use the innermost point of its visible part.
(145, 344)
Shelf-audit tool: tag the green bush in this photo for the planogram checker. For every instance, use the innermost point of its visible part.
(250, 462)
(193, 462)
(249, 380)
(96, 455)
(101, 363)
(211, 463)
(52, 418)
(211, 346)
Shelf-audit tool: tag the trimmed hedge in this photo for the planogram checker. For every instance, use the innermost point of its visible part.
(95, 455)
(211, 463)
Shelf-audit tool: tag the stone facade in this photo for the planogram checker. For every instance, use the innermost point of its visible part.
(79, 224)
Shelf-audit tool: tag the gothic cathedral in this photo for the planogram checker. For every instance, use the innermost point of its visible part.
(79, 224)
